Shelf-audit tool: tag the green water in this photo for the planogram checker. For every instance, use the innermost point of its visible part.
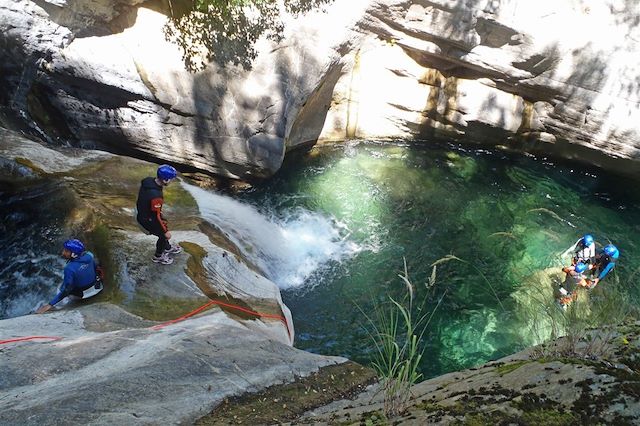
(507, 216)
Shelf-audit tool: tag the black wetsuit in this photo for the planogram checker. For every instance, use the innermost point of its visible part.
(149, 205)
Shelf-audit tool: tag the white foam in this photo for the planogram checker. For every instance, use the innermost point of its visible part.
(288, 247)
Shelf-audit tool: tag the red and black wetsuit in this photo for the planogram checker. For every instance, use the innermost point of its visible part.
(149, 207)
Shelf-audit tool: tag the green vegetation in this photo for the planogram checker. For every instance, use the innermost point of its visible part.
(602, 308)
(397, 331)
(225, 31)
(508, 368)
(282, 403)
(161, 308)
(99, 242)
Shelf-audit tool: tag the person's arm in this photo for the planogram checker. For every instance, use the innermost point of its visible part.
(61, 294)
(156, 208)
(606, 270)
(572, 251)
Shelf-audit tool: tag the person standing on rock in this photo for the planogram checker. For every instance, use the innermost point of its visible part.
(80, 273)
(149, 207)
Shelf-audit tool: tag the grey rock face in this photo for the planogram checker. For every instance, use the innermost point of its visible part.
(115, 83)
(135, 374)
(93, 362)
(539, 385)
(552, 77)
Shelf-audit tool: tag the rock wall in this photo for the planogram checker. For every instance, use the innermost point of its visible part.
(118, 84)
(102, 365)
(550, 77)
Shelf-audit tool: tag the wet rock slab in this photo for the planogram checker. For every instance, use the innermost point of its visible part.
(135, 374)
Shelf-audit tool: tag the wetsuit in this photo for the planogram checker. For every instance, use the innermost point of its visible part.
(79, 275)
(604, 264)
(149, 205)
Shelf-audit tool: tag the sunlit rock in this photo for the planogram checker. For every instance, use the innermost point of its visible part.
(164, 342)
(103, 365)
(506, 73)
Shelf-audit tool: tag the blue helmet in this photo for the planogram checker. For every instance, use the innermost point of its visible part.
(611, 251)
(167, 172)
(75, 246)
(587, 239)
(580, 267)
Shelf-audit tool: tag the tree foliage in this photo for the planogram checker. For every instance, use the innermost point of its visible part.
(225, 31)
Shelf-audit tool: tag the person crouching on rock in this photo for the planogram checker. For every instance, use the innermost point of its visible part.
(575, 278)
(80, 273)
(149, 206)
(605, 262)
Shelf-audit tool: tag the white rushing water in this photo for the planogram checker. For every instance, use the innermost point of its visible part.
(27, 282)
(288, 248)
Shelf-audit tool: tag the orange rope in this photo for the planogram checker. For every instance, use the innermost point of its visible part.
(228, 305)
(22, 339)
(173, 321)
(183, 317)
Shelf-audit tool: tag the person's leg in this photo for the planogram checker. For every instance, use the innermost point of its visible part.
(161, 255)
(161, 245)
(173, 248)
(76, 292)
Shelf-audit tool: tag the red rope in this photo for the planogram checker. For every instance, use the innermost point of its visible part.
(173, 321)
(183, 317)
(228, 305)
(22, 339)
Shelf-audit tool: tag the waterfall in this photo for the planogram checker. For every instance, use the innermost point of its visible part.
(288, 247)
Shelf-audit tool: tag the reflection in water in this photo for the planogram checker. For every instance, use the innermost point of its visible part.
(510, 218)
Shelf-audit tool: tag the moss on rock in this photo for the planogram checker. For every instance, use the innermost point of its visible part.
(281, 403)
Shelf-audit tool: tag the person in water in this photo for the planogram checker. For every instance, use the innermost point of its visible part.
(80, 273)
(575, 278)
(149, 207)
(584, 250)
(604, 263)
